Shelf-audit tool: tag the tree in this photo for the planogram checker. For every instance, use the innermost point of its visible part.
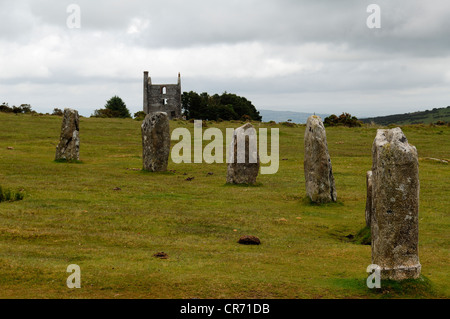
(226, 107)
(114, 107)
(117, 106)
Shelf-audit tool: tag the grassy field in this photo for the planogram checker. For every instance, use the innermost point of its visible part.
(71, 214)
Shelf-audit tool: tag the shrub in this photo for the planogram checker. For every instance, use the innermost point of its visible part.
(114, 107)
(26, 108)
(140, 116)
(105, 113)
(246, 118)
(9, 196)
(288, 124)
(345, 119)
(5, 108)
(57, 112)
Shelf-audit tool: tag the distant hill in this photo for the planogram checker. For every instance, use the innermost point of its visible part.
(425, 117)
(283, 116)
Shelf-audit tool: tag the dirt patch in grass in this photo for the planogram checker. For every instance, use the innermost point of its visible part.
(161, 255)
(249, 240)
(362, 237)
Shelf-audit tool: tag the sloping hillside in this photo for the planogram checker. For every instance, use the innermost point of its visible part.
(425, 117)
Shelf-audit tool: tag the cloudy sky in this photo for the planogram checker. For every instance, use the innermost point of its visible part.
(293, 55)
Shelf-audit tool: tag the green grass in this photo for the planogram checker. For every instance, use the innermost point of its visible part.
(363, 237)
(6, 195)
(71, 214)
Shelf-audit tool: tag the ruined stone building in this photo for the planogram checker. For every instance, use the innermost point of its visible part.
(162, 97)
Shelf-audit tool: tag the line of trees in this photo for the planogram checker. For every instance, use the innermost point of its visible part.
(22, 109)
(25, 109)
(194, 106)
(218, 107)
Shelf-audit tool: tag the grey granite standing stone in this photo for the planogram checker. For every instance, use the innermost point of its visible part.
(317, 165)
(395, 206)
(243, 170)
(369, 198)
(155, 142)
(69, 142)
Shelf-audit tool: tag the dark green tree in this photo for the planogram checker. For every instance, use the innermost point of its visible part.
(226, 107)
(117, 106)
(114, 107)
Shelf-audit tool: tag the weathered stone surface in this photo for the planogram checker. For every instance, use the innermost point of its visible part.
(156, 142)
(69, 142)
(395, 206)
(243, 167)
(369, 198)
(317, 165)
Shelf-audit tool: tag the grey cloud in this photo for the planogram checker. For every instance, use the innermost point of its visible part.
(407, 26)
(400, 56)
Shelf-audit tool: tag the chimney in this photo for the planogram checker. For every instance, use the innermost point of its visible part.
(145, 104)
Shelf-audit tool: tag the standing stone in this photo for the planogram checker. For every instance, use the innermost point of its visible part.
(243, 166)
(318, 171)
(69, 142)
(156, 142)
(395, 206)
(369, 198)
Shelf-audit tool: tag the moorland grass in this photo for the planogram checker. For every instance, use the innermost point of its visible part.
(7, 195)
(110, 218)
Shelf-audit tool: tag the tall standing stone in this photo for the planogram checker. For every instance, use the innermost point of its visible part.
(317, 165)
(395, 206)
(69, 142)
(369, 198)
(155, 142)
(243, 166)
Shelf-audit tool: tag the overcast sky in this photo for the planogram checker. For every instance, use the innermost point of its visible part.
(292, 55)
